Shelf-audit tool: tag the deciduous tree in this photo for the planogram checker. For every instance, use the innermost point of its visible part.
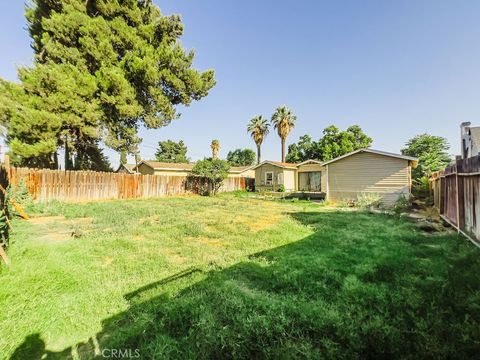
(336, 143)
(241, 157)
(332, 144)
(215, 171)
(431, 152)
(303, 150)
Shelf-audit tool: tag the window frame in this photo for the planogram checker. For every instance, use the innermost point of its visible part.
(266, 178)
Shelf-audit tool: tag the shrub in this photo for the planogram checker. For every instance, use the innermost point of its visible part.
(368, 199)
(3, 228)
(343, 203)
(215, 171)
(421, 190)
(281, 188)
(18, 195)
(402, 205)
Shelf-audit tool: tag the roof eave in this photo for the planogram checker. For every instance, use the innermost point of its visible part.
(372, 151)
(309, 161)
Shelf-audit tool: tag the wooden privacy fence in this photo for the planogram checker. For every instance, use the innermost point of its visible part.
(45, 185)
(456, 193)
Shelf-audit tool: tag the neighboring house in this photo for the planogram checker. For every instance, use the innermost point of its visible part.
(126, 168)
(241, 171)
(345, 177)
(470, 140)
(147, 167)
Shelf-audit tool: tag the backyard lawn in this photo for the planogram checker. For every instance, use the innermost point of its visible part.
(235, 277)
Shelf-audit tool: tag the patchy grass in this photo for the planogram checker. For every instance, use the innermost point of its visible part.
(235, 277)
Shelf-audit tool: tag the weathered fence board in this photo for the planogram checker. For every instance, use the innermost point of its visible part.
(456, 194)
(45, 185)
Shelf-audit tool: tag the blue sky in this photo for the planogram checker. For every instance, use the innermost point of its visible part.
(396, 68)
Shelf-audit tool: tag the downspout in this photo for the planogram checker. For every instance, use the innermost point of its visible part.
(327, 195)
(409, 179)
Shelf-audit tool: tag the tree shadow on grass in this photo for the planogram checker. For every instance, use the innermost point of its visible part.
(361, 286)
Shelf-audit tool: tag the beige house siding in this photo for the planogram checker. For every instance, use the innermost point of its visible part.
(172, 172)
(289, 176)
(289, 179)
(147, 170)
(248, 173)
(369, 173)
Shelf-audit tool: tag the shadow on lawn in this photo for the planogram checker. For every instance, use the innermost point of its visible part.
(361, 286)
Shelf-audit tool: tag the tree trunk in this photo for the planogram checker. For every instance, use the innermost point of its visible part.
(283, 149)
(123, 157)
(55, 160)
(68, 160)
(258, 154)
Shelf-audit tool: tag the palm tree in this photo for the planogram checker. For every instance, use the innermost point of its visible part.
(215, 146)
(283, 119)
(258, 128)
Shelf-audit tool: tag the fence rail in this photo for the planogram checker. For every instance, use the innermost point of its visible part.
(45, 185)
(456, 194)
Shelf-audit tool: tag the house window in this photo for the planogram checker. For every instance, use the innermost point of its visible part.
(280, 178)
(268, 178)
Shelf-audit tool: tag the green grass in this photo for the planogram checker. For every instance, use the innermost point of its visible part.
(235, 277)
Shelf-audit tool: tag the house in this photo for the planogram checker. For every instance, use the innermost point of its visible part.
(241, 171)
(345, 177)
(127, 168)
(148, 167)
(470, 137)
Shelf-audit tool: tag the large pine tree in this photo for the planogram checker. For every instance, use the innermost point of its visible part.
(102, 70)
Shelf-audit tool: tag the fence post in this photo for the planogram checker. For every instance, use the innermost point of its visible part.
(457, 197)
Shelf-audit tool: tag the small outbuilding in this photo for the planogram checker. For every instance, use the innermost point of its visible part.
(369, 171)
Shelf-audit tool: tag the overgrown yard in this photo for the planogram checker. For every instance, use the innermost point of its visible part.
(234, 277)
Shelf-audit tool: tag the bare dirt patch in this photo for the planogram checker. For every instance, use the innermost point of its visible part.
(173, 256)
(211, 242)
(58, 228)
(177, 259)
(262, 223)
(46, 219)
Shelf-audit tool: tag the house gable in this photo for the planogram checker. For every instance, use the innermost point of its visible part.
(413, 160)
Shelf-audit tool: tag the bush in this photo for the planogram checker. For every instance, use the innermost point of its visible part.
(368, 199)
(281, 188)
(343, 203)
(421, 191)
(403, 204)
(3, 228)
(215, 171)
(19, 195)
